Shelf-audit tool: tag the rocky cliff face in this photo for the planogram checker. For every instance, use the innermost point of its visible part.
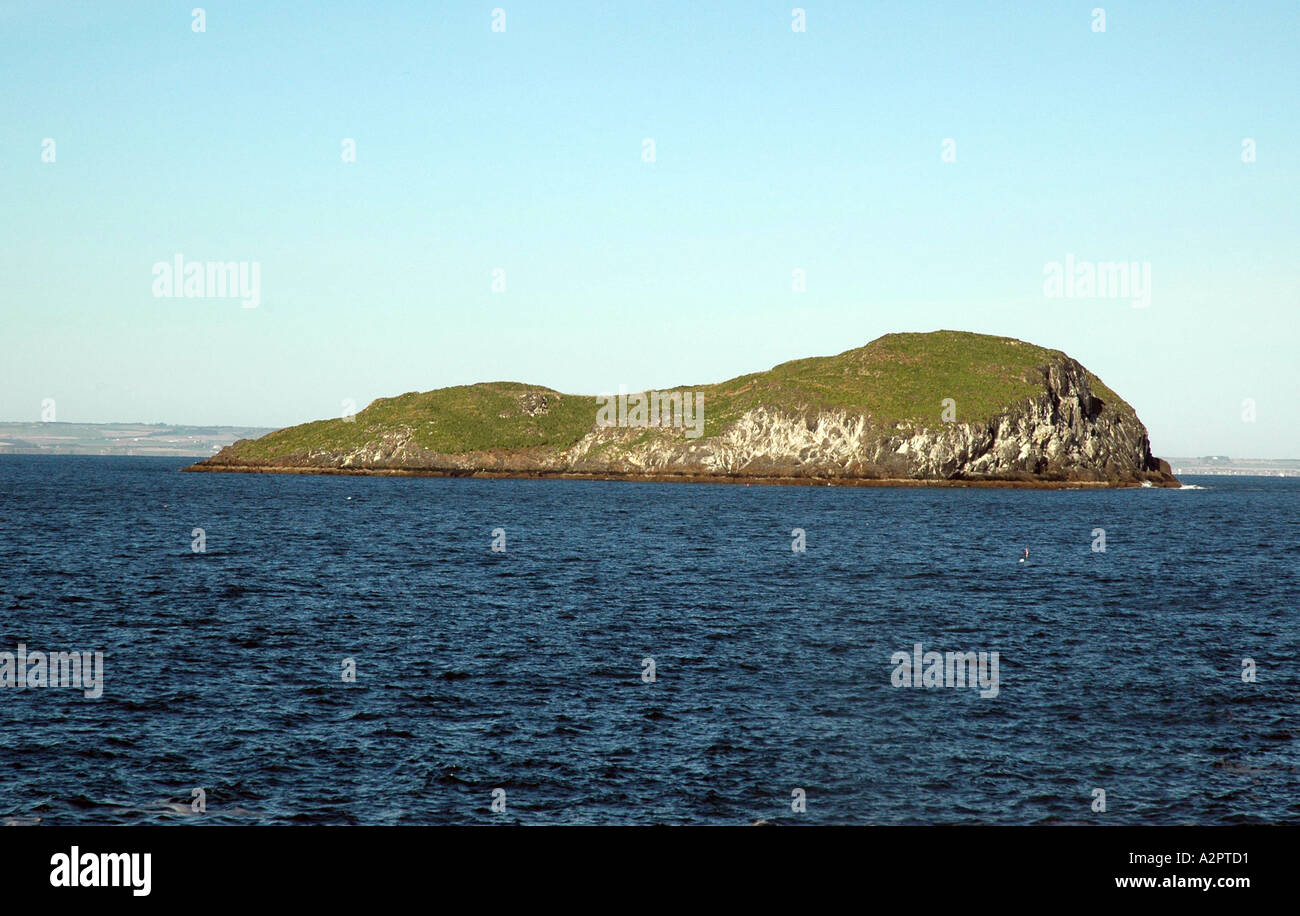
(1065, 434)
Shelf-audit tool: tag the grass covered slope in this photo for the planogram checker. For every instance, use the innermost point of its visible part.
(467, 418)
(898, 378)
(863, 399)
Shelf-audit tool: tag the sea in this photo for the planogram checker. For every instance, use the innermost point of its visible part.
(285, 649)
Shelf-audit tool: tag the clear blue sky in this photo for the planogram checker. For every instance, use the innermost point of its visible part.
(522, 150)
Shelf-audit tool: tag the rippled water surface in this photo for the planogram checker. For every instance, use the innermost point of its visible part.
(522, 670)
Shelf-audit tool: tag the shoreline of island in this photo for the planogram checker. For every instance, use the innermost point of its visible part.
(482, 474)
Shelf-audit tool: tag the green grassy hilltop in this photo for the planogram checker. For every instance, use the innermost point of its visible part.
(896, 379)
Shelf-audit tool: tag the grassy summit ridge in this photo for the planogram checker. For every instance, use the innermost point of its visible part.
(898, 379)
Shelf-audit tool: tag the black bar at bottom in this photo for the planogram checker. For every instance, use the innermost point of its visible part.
(643, 866)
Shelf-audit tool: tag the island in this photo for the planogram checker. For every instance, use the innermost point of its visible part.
(945, 408)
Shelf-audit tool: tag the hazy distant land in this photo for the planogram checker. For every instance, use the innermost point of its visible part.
(156, 439)
(1237, 467)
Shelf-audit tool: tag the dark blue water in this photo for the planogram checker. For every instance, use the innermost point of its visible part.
(522, 670)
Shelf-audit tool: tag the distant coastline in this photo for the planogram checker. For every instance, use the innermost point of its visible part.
(147, 439)
(1218, 465)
